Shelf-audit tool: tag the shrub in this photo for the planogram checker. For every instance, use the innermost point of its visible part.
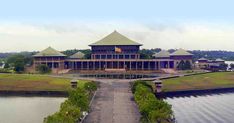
(152, 109)
(70, 110)
(140, 82)
(79, 98)
(43, 69)
(90, 87)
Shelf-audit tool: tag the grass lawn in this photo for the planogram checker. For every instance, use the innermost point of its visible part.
(203, 81)
(27, 82)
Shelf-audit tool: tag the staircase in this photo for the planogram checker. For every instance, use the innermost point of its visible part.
(169, 71)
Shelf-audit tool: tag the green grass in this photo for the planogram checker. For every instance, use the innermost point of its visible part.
(28, 82)
(202, 81)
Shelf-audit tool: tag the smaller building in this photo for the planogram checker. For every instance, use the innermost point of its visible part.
(175, 57)
(78, 55)
(50, 57)
(213, 65)
(181, 55)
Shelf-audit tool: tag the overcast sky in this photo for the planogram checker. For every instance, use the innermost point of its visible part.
(27, 25)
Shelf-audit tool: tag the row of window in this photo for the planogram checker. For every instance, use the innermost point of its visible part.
(113, 51)
(115, 56)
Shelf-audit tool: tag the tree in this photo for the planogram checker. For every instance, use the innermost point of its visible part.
(181, 65)
(232, 66)
(187, 65)
(146, 54)
(43, 69)
(223, 66)
(19, 66)
(17, 62)
(6, 65)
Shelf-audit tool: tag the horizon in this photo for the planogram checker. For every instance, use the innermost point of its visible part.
(194, 25)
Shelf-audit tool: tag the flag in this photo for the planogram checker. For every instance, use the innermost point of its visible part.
(118, 50)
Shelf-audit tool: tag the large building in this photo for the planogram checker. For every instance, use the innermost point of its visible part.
(113, 53)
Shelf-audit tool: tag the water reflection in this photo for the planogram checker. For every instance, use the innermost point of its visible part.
(27, 109)
(215, 108)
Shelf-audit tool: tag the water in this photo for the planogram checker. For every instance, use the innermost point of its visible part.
(27, 109)
(215, 108)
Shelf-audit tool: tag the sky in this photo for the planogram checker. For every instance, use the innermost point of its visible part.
(33, 25)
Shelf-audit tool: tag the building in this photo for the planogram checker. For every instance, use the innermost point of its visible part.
(113, 53)
(50, 57)
(207, 64)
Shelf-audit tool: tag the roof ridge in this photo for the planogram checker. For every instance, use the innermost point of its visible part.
(49, 51)
(115, 38)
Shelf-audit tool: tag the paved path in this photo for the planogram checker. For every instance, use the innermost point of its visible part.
(113, 104)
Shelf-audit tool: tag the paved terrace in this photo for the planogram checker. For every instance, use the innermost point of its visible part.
(113, 103)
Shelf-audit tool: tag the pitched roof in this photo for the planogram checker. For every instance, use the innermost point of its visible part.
(162, 54)
(115, 38)
(77, 55)
(202, 59)
(219, 60)
(181, 52)
(49, 52)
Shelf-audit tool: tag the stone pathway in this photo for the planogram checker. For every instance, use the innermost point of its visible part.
(113, 104)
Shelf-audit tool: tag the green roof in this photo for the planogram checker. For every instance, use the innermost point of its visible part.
(115, 38)
(219, 60)
(162, 54)
(49, 52)
(181, 52)
(202, 59)
(77, 55)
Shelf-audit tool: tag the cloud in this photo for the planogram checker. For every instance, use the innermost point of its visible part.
(16, 36)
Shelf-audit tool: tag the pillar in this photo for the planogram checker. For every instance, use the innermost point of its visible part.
(159, 65)
(130, 65)
(142, 65)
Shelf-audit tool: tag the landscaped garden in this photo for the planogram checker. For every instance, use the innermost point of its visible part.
(199, 82)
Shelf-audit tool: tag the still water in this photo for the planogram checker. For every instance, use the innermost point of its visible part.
(214, 108)
(27, 109)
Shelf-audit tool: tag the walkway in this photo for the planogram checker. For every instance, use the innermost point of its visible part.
(113, 104)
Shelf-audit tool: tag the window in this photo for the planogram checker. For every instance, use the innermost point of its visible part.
(103, 56)
(108, 56)
(126, 56)
(120, 56)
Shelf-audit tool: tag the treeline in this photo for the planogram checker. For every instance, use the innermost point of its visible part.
(225, 55)
(144, 54)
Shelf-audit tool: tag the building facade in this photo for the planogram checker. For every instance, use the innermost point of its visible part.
(113, 53)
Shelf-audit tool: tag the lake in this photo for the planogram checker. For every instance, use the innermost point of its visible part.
(28, 109)
(213, 108)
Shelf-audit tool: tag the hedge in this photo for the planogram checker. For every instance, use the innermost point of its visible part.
(152, 109)
(77, 102)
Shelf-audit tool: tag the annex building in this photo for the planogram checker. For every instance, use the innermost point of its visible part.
(113, 53)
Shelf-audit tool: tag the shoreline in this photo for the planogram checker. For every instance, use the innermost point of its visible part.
(197, 92)
(180, 93)
(33, 93)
